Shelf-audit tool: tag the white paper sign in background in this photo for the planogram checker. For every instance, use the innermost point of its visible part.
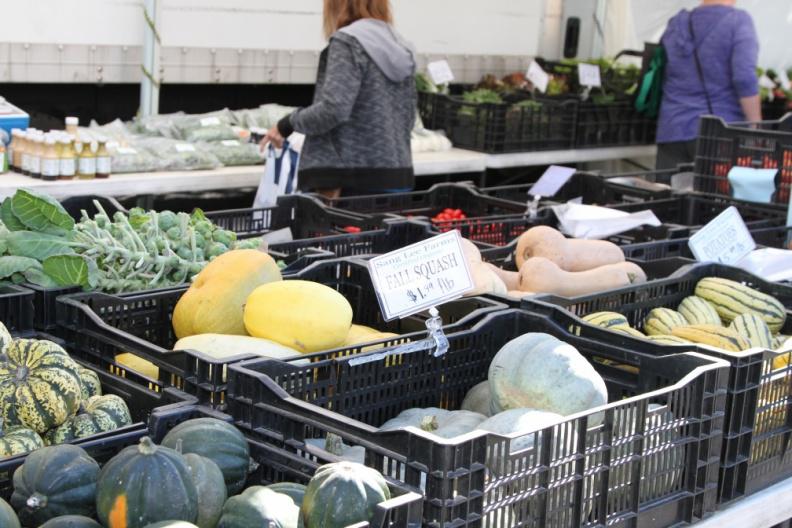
(589, 75)
(725, 239)
(422, 275)
(552, 180)
(440, 72)
(538, 77)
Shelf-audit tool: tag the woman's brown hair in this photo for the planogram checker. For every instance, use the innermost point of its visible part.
(341, 13)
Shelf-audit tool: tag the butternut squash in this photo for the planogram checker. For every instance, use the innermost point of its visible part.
(568, 254)
(541, 275)
(485, 280)
(510, 278)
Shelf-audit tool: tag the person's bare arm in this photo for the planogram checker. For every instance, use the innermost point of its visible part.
(752, 108)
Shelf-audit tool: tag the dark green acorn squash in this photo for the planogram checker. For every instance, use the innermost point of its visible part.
(71, 521)
(292, 489)
(211, 489)
(341, 494)
(8, 519)
(55, 481)
(259, 506)
(39, 385)
(90, 384)
(98, 414)
(18, 440)
(218, 441)
(145, 484)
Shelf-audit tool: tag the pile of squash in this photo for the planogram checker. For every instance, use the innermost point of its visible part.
(549, 263)
(47, 398)
(194, 479)
(240, 304)
(722, 313)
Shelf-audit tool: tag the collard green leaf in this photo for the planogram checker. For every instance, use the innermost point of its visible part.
(40, 212)
(36, 245)
(10, 220)
(11, 265)
(72, 270)
(38, 277)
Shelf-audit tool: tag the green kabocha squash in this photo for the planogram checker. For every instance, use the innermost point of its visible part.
(55, 481)
(98, 414)
(292, 489)
(71, 521)
(211, 488)
(172, 524)
(8, 519)
(145, 484)
(259, 506)
(218, 441)
(18, 440)
(342, 494)
(90, 384)
(39, 385)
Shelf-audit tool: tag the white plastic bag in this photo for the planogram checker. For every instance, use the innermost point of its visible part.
(279, 177)
(593, 222)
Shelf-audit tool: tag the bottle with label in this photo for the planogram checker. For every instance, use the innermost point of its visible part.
(68, 158)
(22, 153)
(50, 164)
(36, 148)
(10, 148)
(71, 125)
(86, 165)
(3, 159)
(103, 161)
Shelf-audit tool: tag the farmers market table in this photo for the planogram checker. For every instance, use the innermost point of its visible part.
(558, 157)
(455, 161)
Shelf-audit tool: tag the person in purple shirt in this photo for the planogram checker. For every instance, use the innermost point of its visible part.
(728, 50)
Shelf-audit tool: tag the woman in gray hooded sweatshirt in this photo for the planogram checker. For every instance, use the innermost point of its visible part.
(358, 127)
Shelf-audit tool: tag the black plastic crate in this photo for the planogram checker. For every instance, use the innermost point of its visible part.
(525, 126)
(304, 215)
(553, 485)
(774, 237)
(766, 145)
(504, 230)
(141, 402)
(277, 463)
(596, 189)
(464, 197)
(758, 411)
(613, 123)
(696, 210)
(75, 205)
(16, 308)
(100, 326)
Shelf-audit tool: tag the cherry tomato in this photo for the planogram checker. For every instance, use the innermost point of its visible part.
(352, 229)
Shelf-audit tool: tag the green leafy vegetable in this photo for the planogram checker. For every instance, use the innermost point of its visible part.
(11, 265)
(40, 212)
(72, 270)
(36, 245)
(11, 222)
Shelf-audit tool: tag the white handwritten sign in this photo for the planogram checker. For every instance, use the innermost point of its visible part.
(589, 75)
(440, 72)
(725, 239)
(538, 77)
(422, 275)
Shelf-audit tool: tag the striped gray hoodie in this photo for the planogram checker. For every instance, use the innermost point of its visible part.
(358, 127)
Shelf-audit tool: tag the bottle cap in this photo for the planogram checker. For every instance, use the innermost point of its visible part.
(72, 121)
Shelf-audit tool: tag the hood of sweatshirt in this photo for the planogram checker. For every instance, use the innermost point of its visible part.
(389, 51)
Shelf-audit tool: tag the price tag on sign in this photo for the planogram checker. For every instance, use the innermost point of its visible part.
(552, 180)
(440, 72)
(420, 276)
(538, 77)
(589, 75)
(725, 239)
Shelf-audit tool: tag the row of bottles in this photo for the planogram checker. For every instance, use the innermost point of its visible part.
(57, 155)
